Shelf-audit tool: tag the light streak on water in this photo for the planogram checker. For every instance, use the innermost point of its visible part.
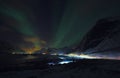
(82, 56)
(94, 56)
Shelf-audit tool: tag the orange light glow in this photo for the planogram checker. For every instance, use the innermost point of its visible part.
(36, 45)
(31, 50)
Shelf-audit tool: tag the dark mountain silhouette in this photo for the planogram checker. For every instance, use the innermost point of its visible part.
(104, 36)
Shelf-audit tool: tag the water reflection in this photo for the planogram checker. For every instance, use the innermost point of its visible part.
(65, 62)
(30, 57)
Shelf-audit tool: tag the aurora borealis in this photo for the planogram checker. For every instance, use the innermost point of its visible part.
(51, 23)
(22, 26)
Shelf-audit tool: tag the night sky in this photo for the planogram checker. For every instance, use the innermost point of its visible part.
(51, 23)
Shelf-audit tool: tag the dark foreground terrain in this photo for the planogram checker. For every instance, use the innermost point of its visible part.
(79, 69)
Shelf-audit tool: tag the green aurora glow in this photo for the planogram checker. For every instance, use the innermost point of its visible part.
(24, 26)
(68, 25)
(70, 19)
